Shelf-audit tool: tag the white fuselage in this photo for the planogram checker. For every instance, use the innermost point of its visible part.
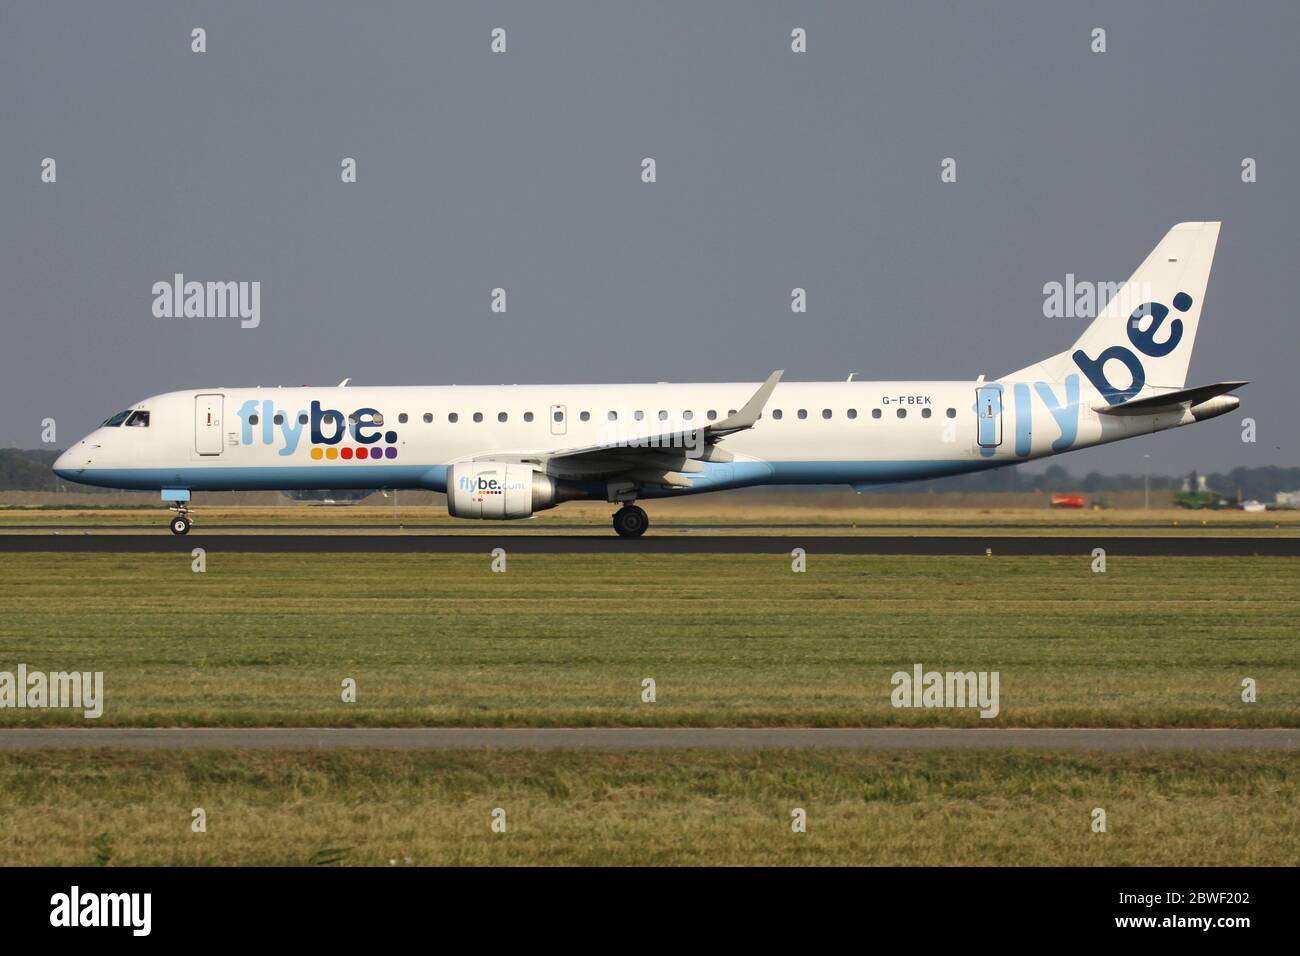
(857, 433)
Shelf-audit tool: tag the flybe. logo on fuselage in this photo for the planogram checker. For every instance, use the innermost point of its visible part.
(1144, 340)
(328, 427)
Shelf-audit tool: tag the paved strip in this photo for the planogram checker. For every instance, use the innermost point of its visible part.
(692, 526)
(652, 738)
(164, 543)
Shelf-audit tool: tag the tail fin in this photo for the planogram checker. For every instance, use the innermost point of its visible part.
(1148, 327)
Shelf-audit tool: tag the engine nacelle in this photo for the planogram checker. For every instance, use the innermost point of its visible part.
(494, 490)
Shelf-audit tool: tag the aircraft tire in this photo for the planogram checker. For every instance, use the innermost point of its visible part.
(631, 521)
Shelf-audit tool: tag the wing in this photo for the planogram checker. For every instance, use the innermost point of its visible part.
(666, 459)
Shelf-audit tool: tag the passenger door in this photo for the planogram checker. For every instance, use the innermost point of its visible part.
(988, 402)
(208, 413)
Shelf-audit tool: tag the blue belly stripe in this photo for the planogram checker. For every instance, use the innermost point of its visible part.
(716, 476)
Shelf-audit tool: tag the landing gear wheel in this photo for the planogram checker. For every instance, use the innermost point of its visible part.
(630, 521)
(180, 525)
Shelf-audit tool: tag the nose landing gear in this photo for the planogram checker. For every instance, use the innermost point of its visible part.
(181, 523)
(631, 521)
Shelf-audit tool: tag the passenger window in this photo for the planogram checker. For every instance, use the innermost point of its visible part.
(401, 418)
(613, 416)
(585, 416)
(639, 415)
(952, 413)
(826, 413)
(453, 418)
(528, 416)
(663, 415)
(478, 416)
(853, 413)
(253, 419)
(713, 415)
(302, 418)
(428, 418)
(558, 416)
(278, 418)
(138, 420)
(875, 413)
(776, 414)
(902, 413)
(502, 417)
(925, 413)
(803, 413)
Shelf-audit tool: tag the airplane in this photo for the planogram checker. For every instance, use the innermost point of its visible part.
(508, 452)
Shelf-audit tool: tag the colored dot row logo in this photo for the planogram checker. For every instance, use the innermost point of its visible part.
(347, 454)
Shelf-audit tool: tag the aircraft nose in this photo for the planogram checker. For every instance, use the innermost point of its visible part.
(72, 462)
(63, 465)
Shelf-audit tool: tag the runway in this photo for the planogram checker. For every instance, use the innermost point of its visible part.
(659, 526)
(654, 738)
(954, 545)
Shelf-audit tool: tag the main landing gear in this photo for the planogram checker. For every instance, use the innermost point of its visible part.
(181, 523)
(630, 521)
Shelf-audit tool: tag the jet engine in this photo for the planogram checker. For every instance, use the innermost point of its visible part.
(500, 491)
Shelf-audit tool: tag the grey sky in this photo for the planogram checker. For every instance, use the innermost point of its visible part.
(522, 170)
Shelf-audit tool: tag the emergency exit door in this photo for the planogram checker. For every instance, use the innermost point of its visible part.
(988, 406)
(207, 424)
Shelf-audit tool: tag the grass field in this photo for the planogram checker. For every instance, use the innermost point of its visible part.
(695, 807)
(566, 640)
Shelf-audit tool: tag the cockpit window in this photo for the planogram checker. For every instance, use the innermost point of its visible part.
(117, 419)
(138, 420)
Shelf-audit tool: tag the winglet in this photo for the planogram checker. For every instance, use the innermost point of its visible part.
(747, 416)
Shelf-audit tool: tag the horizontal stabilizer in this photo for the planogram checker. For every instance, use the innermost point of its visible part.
(1154, 404)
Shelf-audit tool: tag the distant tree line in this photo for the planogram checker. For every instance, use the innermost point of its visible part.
(29, 470)
(1261, 483)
